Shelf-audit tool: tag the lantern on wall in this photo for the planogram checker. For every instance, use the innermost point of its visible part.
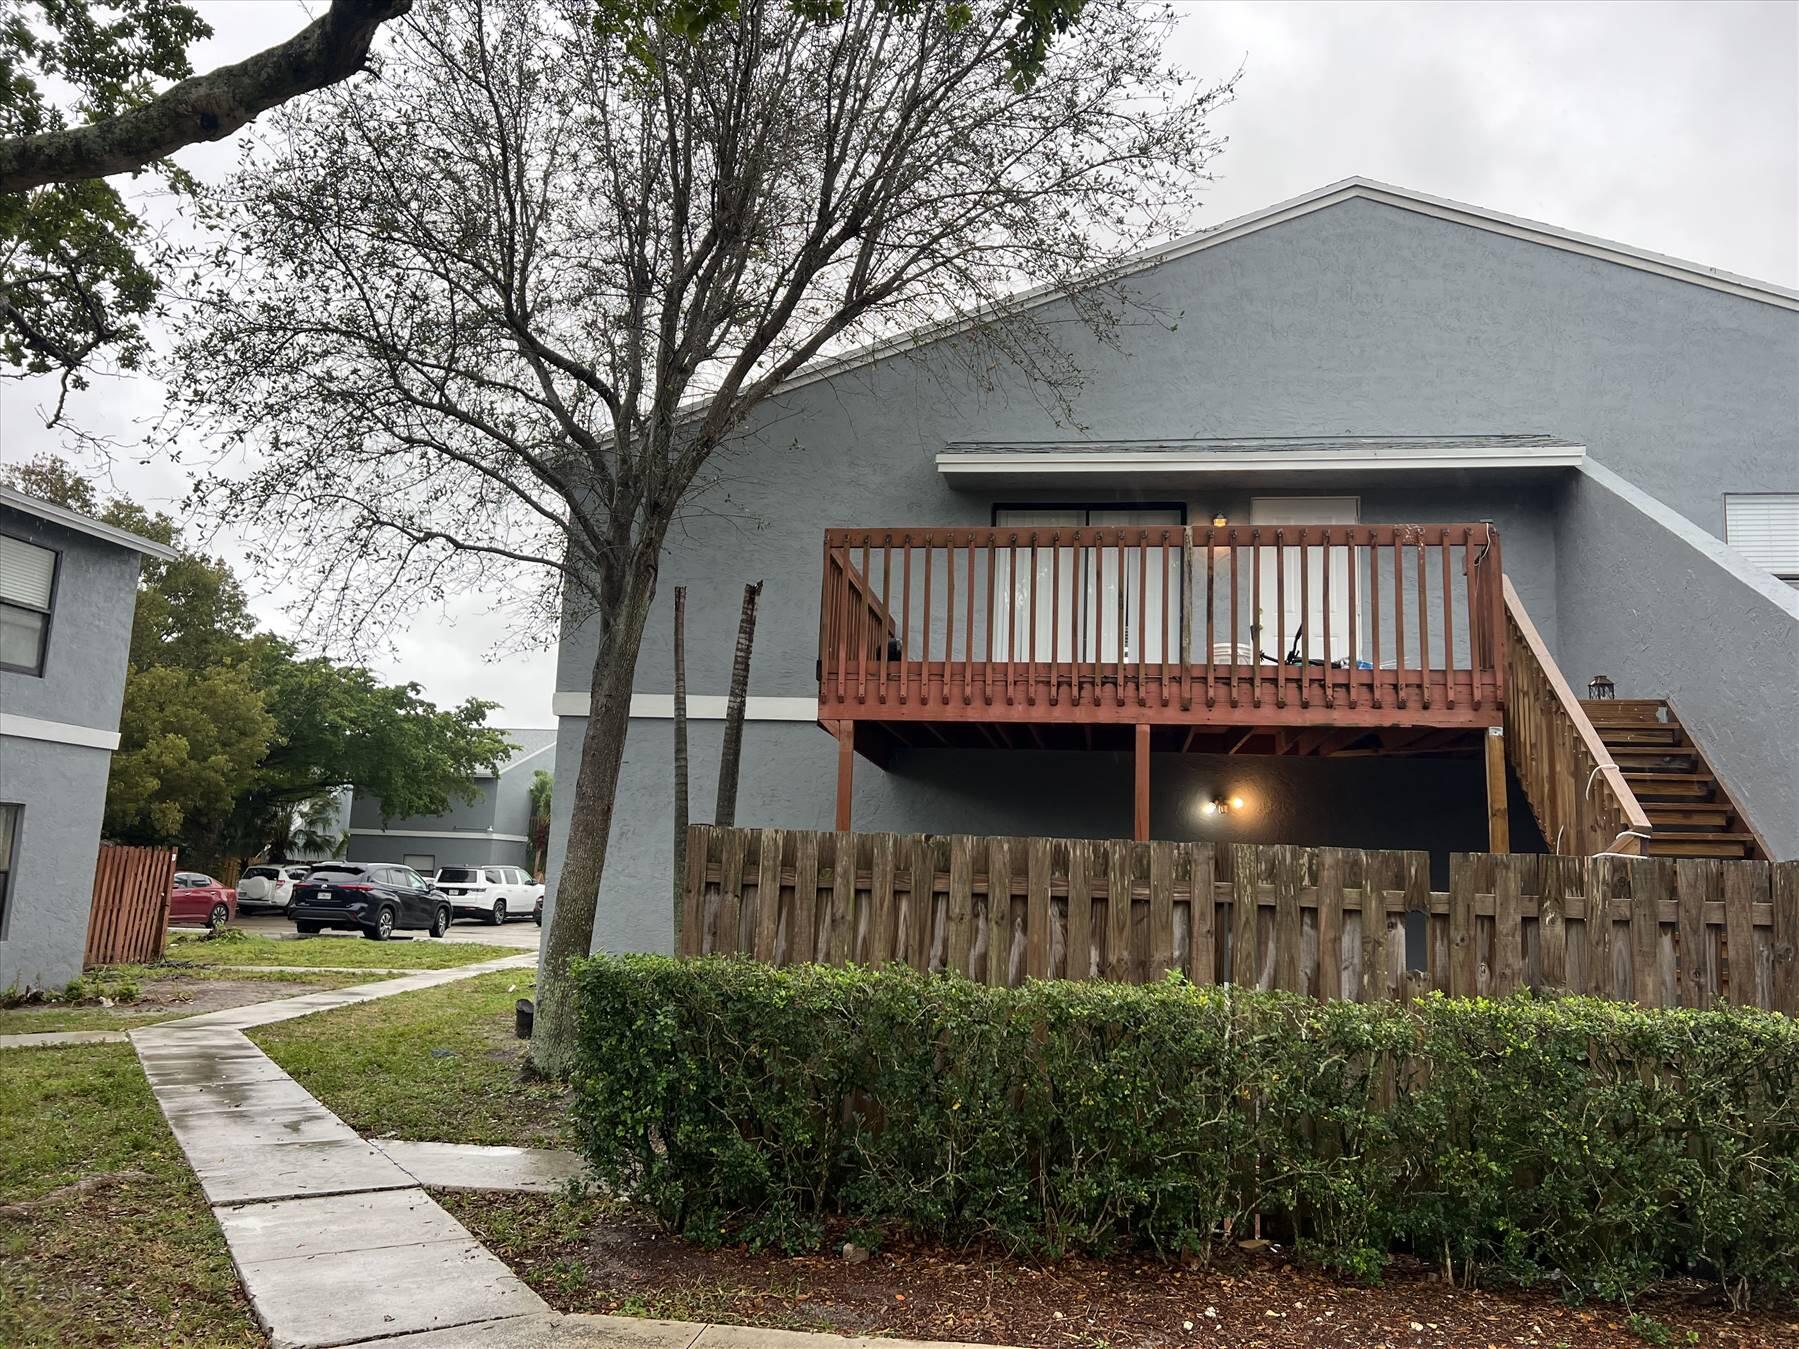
(1601, 687)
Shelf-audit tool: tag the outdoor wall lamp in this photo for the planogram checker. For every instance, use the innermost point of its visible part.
(1219, 522)
(1221, 805)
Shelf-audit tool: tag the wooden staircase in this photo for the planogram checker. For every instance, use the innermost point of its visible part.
(1692, 813)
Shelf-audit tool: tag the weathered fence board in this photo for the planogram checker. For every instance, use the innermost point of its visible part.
(129, 920)
(1329, 922)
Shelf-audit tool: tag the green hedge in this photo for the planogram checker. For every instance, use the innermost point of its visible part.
(1594, 1145)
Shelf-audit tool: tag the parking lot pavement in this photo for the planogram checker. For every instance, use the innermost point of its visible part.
(523, 936)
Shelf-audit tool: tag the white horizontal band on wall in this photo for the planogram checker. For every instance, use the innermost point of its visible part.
(62, 732)
(700, 707)
(460, 835)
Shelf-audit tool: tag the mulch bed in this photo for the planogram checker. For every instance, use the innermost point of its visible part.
(584, 1256)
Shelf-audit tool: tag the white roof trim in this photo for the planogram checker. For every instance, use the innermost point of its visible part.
(57, 732)
(524, 759)
(1075, 462)
(81, 524)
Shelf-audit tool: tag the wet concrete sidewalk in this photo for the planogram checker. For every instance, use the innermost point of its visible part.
(334, 1236)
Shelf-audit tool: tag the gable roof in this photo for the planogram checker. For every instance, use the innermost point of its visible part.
(531, 741)
(83, 524)
(1348, 189)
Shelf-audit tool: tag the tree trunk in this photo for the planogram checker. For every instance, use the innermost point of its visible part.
(680, 879)
(569, 933)
(730, 757)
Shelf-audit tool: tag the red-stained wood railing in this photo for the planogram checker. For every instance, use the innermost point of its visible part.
(1579, 796)
(1164, 623)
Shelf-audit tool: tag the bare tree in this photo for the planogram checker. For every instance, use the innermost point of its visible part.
(730, 754)
(487, 324)
(680, 854)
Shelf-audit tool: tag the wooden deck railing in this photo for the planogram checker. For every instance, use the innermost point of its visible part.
(1580, 798)
(1247, 624)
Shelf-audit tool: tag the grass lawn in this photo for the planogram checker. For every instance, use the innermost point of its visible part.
(135, 1262)
(242, 949)
(440, 1065)
(145, 994)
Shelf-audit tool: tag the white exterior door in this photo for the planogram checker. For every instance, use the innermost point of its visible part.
(1288, 611)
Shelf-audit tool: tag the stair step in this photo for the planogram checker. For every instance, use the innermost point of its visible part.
(1699, 845)
(1640, 735)
(1649, 787)
(1653, 759)
(1701, 816)
(1622, 711)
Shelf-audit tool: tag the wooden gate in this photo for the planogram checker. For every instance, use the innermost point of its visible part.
(130, 916)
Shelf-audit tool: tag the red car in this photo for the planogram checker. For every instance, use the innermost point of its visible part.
(200, 899)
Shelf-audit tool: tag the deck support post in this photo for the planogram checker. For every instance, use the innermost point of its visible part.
(1499, 832)
(846, 761)
(1140, 814)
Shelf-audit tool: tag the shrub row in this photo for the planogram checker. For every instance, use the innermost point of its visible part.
(1593, 1145)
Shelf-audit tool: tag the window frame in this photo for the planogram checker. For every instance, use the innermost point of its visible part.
(1787, 577)
(49, 615)
(12, 820)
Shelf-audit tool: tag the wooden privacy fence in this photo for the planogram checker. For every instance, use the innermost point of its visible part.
(1661, 931)
(129, 920)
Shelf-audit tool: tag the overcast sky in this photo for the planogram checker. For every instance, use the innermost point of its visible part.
(1672, 127)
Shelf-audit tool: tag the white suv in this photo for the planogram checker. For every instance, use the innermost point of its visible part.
(493, 893)
(269, 887)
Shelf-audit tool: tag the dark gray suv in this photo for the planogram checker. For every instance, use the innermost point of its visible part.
(376, 899)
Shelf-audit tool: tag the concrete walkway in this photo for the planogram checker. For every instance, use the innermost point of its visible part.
(335, 1239)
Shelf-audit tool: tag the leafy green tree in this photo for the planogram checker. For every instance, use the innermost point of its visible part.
(230, 742)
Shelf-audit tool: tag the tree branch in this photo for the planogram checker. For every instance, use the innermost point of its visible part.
(204, 108)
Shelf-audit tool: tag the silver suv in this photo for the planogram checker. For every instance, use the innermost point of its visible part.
(269, 887)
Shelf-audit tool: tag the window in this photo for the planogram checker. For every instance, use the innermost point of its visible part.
(1764, 527)
(495, 876)
(9, 826)
(27, 582)
(1082, 589)
(459, 875)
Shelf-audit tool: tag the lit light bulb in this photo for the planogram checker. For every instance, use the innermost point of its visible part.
(1209, 808)
(1236, 803)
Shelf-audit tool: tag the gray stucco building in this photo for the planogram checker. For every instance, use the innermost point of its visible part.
(68, 590)
(495, 828)
(1371, 354)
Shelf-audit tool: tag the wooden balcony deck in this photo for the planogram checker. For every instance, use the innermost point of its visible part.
(1204, 627)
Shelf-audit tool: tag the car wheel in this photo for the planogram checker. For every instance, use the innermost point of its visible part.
(498, 916)
(219, 916)
(307, 929)
(538, 915)
(383, 928)
(440, 921)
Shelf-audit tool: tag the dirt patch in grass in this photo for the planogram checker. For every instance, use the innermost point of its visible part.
(440, 1065)
(133, 1260)
(238, 948)
(588, 1255)
(161, 994)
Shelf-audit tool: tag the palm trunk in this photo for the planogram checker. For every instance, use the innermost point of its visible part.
(569, 933)
(680, 877)
(730, 757)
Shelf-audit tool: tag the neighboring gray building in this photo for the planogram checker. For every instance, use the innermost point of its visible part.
(495, 829)
(1361, 355)
(68, 590)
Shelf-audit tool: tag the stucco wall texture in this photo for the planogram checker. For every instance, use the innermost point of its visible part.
(1358, 319)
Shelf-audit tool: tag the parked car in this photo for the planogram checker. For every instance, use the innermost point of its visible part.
(198, 898)
(492, 893)
(269, 888)
(376, 899)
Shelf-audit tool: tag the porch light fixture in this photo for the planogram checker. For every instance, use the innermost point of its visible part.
(1601, 687)
(1220, 805)
(1219, 522)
